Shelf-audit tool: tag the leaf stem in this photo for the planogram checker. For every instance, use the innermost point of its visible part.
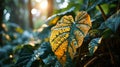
(89, 62)
(103, 13)
(95, 58)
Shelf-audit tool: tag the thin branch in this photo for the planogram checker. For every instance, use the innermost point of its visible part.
(95, 58)
(103, 13)
(89, 62)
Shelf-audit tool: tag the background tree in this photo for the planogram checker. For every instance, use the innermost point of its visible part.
(18, 11)
(30, 14)
(50, 7)
(2, 6)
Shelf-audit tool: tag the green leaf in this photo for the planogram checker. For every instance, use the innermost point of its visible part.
(54, 18)
(24, 55)
(28, 56)
(44, 32)
(44, 52)
(93, 45)
(106, 33)
(84, 5)
(93, 3)
(112, 22)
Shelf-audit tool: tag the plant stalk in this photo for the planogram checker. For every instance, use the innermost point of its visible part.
(89, 62)
(103, 13)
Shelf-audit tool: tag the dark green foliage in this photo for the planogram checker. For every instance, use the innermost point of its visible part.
(32, 49)
(45, 33)
(24, 55)
(93, 45)
(45, 53)
(93, 3)
(107, 33)
(113, 22)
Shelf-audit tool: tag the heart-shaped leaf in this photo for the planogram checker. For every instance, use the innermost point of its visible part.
(68, 35)
(112, 22)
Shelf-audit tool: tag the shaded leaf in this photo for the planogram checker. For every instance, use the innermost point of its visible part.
(84, 5)
(113, 22)
(44, 52)
(44, 32)
(106, 33)
(14, 27)
(93, 45)
(53, 19)
(50, 60)
(93, 3)
(94, 33)
(68, 35)
(24, 55)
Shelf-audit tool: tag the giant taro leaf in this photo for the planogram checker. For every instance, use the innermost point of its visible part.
(112, 22)
(68, 35)
(51, 21)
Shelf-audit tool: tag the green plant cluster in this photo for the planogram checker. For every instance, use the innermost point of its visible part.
(100, 47)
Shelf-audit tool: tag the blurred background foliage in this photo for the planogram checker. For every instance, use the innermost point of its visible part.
(25, 27)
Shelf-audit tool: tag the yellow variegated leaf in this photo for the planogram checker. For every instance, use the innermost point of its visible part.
(67, 35)
(54, 21)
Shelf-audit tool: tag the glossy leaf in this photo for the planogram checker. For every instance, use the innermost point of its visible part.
(113, 22)
(44, 52)
(53, 19)
(93, 3)
(24, 55)
(68, 35)
(93, 45)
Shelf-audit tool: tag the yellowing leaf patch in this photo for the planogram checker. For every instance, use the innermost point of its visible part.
(67, 35)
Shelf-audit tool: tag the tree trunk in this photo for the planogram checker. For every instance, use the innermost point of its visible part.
(50, 7)
(1, 20)
(30, 14)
